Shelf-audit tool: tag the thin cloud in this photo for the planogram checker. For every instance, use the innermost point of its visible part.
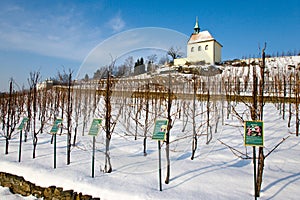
(14, 8)
(117, 23)
(64, 33)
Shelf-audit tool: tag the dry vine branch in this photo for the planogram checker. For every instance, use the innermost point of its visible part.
(235, 151)
(276, 146)
(237, 115)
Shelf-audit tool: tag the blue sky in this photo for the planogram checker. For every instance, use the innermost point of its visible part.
(51, 36)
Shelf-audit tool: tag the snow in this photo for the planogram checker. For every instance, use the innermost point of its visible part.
(215, 173)
(5, 194)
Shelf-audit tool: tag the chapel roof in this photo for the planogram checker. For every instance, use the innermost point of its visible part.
(200, 37)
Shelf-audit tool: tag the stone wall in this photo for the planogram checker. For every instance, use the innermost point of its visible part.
(18, 185)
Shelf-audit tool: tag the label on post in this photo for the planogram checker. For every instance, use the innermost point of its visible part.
(25, 119)
(95, 127)
(55, 126)
(160, 129)
(254, 135)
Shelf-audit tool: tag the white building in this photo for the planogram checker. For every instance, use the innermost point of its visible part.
(201, 48)
(45, 85)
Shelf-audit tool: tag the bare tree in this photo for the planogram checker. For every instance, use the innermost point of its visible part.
(3, 104)
(55, 105)
(152, 58)
(44, 99)
(175, 52)
(109, 126)
(69, 119)
(163, 60)
(195, 137)
(297, 92)
(129, 63)
(7, 138)
(167, 141)
(12, 114)
(78, 111)
(33, 81)
(290, 96)
(261, 156)
(146, 117)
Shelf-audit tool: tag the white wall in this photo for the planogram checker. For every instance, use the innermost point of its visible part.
(204, 54)
(218, 52)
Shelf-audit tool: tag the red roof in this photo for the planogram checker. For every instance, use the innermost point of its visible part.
(200, 37)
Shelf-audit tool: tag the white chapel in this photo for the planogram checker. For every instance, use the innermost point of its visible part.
(201, 48)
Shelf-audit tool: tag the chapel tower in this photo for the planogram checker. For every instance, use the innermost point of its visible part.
(202, 47)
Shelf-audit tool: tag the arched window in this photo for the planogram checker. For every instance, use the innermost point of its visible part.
(192, 49)
(199, 48)
(206, 47)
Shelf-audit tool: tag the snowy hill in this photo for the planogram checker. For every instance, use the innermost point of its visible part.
(217, 171)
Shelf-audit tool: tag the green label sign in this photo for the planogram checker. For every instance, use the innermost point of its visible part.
(55, 127)
(95, 127)
(160, 129)
(24, 121)
(254, 135)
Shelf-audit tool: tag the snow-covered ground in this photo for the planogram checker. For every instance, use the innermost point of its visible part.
(5, 194)
(215, 173)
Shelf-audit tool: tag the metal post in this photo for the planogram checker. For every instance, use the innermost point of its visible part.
(20, 146)
(254, 163)
(93, 158)
(159, 165)
(54, 150)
